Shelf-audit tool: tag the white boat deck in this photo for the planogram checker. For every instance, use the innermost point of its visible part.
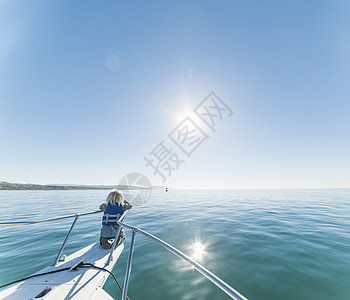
(83, 283)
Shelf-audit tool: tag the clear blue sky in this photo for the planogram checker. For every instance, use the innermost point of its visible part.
(89, 88)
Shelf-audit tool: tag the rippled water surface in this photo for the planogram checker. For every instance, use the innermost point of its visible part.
(267, 244)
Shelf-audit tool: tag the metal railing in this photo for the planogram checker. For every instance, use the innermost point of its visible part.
(47, 220)
(205, 272)
(76, 216)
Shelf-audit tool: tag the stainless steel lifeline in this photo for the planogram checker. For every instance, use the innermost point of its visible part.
(212, 277)
(51, 219)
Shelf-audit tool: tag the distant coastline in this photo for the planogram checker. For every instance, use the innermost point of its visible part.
(8, 186)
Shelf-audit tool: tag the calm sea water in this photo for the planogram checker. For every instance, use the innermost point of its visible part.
(267, 244)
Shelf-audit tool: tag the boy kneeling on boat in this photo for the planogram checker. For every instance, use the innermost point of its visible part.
(113, 209)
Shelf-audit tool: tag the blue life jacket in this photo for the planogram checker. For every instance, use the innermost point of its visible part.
(112, 214)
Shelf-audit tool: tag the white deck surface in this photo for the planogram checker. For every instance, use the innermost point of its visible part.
(81, 284)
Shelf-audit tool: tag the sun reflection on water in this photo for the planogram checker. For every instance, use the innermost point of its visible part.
(198, 251)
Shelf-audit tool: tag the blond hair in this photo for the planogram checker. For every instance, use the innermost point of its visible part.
(115, 197)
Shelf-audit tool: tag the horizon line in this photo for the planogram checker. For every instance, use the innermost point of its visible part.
(188, 188)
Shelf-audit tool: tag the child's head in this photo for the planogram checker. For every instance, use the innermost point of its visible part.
(115, 197)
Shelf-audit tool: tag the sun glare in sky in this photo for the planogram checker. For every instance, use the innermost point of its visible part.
(180, 115)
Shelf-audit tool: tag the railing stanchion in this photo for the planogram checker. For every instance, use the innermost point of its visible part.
(110, 257)
(65, 241)
(116, 238)
(128, 266)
